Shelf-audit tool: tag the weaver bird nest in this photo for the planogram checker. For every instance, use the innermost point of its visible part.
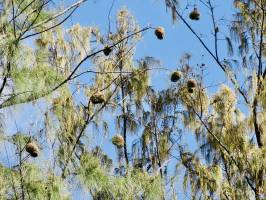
(194, 15)
(32, 149)
(97, 98)
(107, 50)
(175, 76)
(191, 83)
(118, 141)
(159, 32)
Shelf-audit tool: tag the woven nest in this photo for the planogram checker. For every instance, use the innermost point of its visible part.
(40, 42)
(191, 83)
(107, 50)
(175, 76)
(194, 15)
(159, 32)
(32, 149)
(97, 98)
(118, 141)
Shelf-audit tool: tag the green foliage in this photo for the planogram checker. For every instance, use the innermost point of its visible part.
(131, 186)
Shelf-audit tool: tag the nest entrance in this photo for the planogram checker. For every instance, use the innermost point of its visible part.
(194, 15)
(159, 32)
(32, 149)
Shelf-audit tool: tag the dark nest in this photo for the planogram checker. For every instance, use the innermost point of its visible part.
(97, 98)
(32, 149)
(191, 83)
(107, 50)
(159, 32)
(175, 76)
(194, 15)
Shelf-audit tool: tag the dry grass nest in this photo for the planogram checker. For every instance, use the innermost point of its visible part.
(175, 76)
(194, 15)
(191, 83)
(118, 141)
(159, 32)
(32, 149)
(97, 98)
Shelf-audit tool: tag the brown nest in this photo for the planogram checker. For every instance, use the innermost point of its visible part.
(194, 15)
(175, 76)
(191, 83)
(97, 98)
(159, 32)
(118, 141)
(107, 50)
(32, 149)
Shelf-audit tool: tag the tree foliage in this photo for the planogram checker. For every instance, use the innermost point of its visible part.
(44, 67)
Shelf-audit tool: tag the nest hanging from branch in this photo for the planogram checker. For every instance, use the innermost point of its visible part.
(32, 149)
(118, 141)
(194, 15)
(159, 32)
(191, 83)
(97, 98)
(175, 76)
(107, 50)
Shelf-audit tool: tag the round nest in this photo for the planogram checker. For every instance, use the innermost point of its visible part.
(118, 141)
(191, 83)
(107, 50)
(194, 15)
(159, 32)
(97, 98)
(175, 76)
(32, 149)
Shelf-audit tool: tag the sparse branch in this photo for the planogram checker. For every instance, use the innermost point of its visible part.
(73, 6)
(212, 55)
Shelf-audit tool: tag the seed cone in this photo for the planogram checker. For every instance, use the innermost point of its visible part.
(159, 32)
(175, 76)
(194, 15)
(107, 50)
(32, 149)
(97, 98)
(118, 141)
(191, 83)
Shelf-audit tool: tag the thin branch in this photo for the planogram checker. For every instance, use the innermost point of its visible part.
(212, 55)
(75, 5)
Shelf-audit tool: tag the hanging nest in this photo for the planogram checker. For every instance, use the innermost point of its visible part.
(175, 76)
(194, 15)
(118, 141)
(107, 50)
(191, 84)
(32, 149)
(159, 32)
(97, 98)
(40, 42)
